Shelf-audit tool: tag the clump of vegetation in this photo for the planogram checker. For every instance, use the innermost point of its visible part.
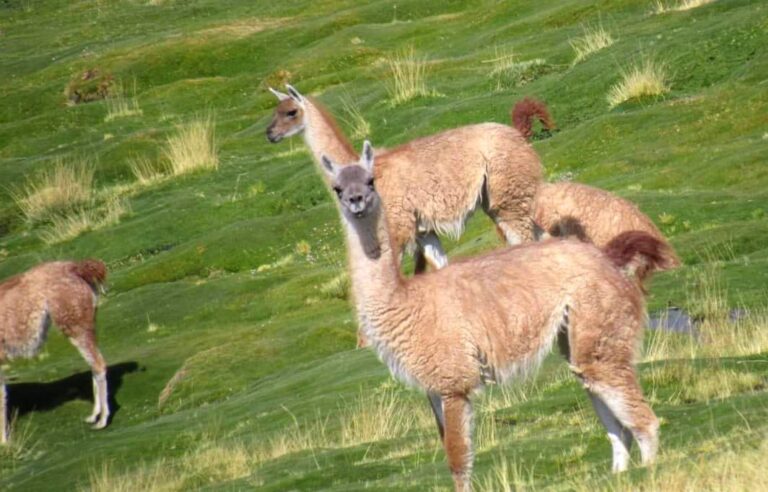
(507, 72)
(360, 127)
(146, 171)
(407, 80)
(193, 147)
(648, 78)
(155, 477)
(120, 105)
(91, 85)
(88, 218)
(593, 40)
(659, 7)
(380, 417)
(56, 190)
(337, 287)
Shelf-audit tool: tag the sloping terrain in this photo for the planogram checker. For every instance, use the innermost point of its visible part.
(227, 326)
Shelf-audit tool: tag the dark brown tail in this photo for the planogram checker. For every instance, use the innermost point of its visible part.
(92, 271)
(639, 254)
(524, 112)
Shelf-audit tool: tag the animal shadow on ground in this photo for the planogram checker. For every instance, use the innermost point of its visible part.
(27, 397)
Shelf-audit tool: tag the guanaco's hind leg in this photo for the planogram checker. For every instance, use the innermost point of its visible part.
(458, 439)
(436, 402)
(3, 411)
(86, 344)
(428, 244)
(623, 410)
(620, 436)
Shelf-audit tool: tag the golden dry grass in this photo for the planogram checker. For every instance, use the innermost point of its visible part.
(22, 442)
(120, 105)
(647, 78)
(145, 171)
(360, 128)
(593, 40)
(382, 416)
(61, 187)
(193, 147)
(700, 384)
(337, 287)
(507, 71)
(728, 468)
(70, 225)
(659, 7)
(407, 76)
(719, 336)
(148, 478)
(216, 463)
(504, 477)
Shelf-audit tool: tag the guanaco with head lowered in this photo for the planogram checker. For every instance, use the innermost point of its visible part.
(487, 319)
(593, 215)
(432, 184)
(66, 293)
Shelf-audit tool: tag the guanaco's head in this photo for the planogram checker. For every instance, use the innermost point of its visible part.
(354, 185)
(288, 119)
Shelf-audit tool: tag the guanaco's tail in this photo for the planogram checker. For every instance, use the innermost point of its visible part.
(639, 254)
(92, 271)
(524, 112)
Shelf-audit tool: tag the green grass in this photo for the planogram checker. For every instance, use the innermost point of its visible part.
(226, 294)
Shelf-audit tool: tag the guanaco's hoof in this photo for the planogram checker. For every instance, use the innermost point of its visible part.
(99, 426)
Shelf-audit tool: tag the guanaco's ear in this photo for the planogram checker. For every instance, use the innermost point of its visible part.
(295, 95)
(280, 95)
(329, 166)
(366, 157)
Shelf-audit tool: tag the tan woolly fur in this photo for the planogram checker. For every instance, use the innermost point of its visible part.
(66, 293)
(433, 183)
(491, 318)
(593, 215)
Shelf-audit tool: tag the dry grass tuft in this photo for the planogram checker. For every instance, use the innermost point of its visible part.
(505, 477)
(719, 335)
(701, 384)
(119, 105)
(337, 287)
(593, 40)
(727, 469)
(145, 171)
(407, 77)
(68, 226)
(382, 416)
(55, 190)
(22, 442)
(507, 72)
(659, 7)
(648, 78)
(360, 127)
(147, 478)
(193, 147)
(218, 463)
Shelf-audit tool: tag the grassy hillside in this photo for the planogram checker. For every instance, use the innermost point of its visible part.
(227, 326)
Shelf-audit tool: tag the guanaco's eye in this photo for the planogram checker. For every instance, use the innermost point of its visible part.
(292, 113)
(370, 184)
(337, 190)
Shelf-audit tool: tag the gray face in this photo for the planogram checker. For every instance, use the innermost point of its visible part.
(355, 188)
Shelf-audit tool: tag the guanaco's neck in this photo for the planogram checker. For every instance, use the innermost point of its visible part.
(375, 275)
(323, 136)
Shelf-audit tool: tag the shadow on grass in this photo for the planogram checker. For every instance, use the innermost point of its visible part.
(27, 397)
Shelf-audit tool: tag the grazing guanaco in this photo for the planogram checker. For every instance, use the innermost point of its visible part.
(490, 318)
(593, 215)
(66, 293)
